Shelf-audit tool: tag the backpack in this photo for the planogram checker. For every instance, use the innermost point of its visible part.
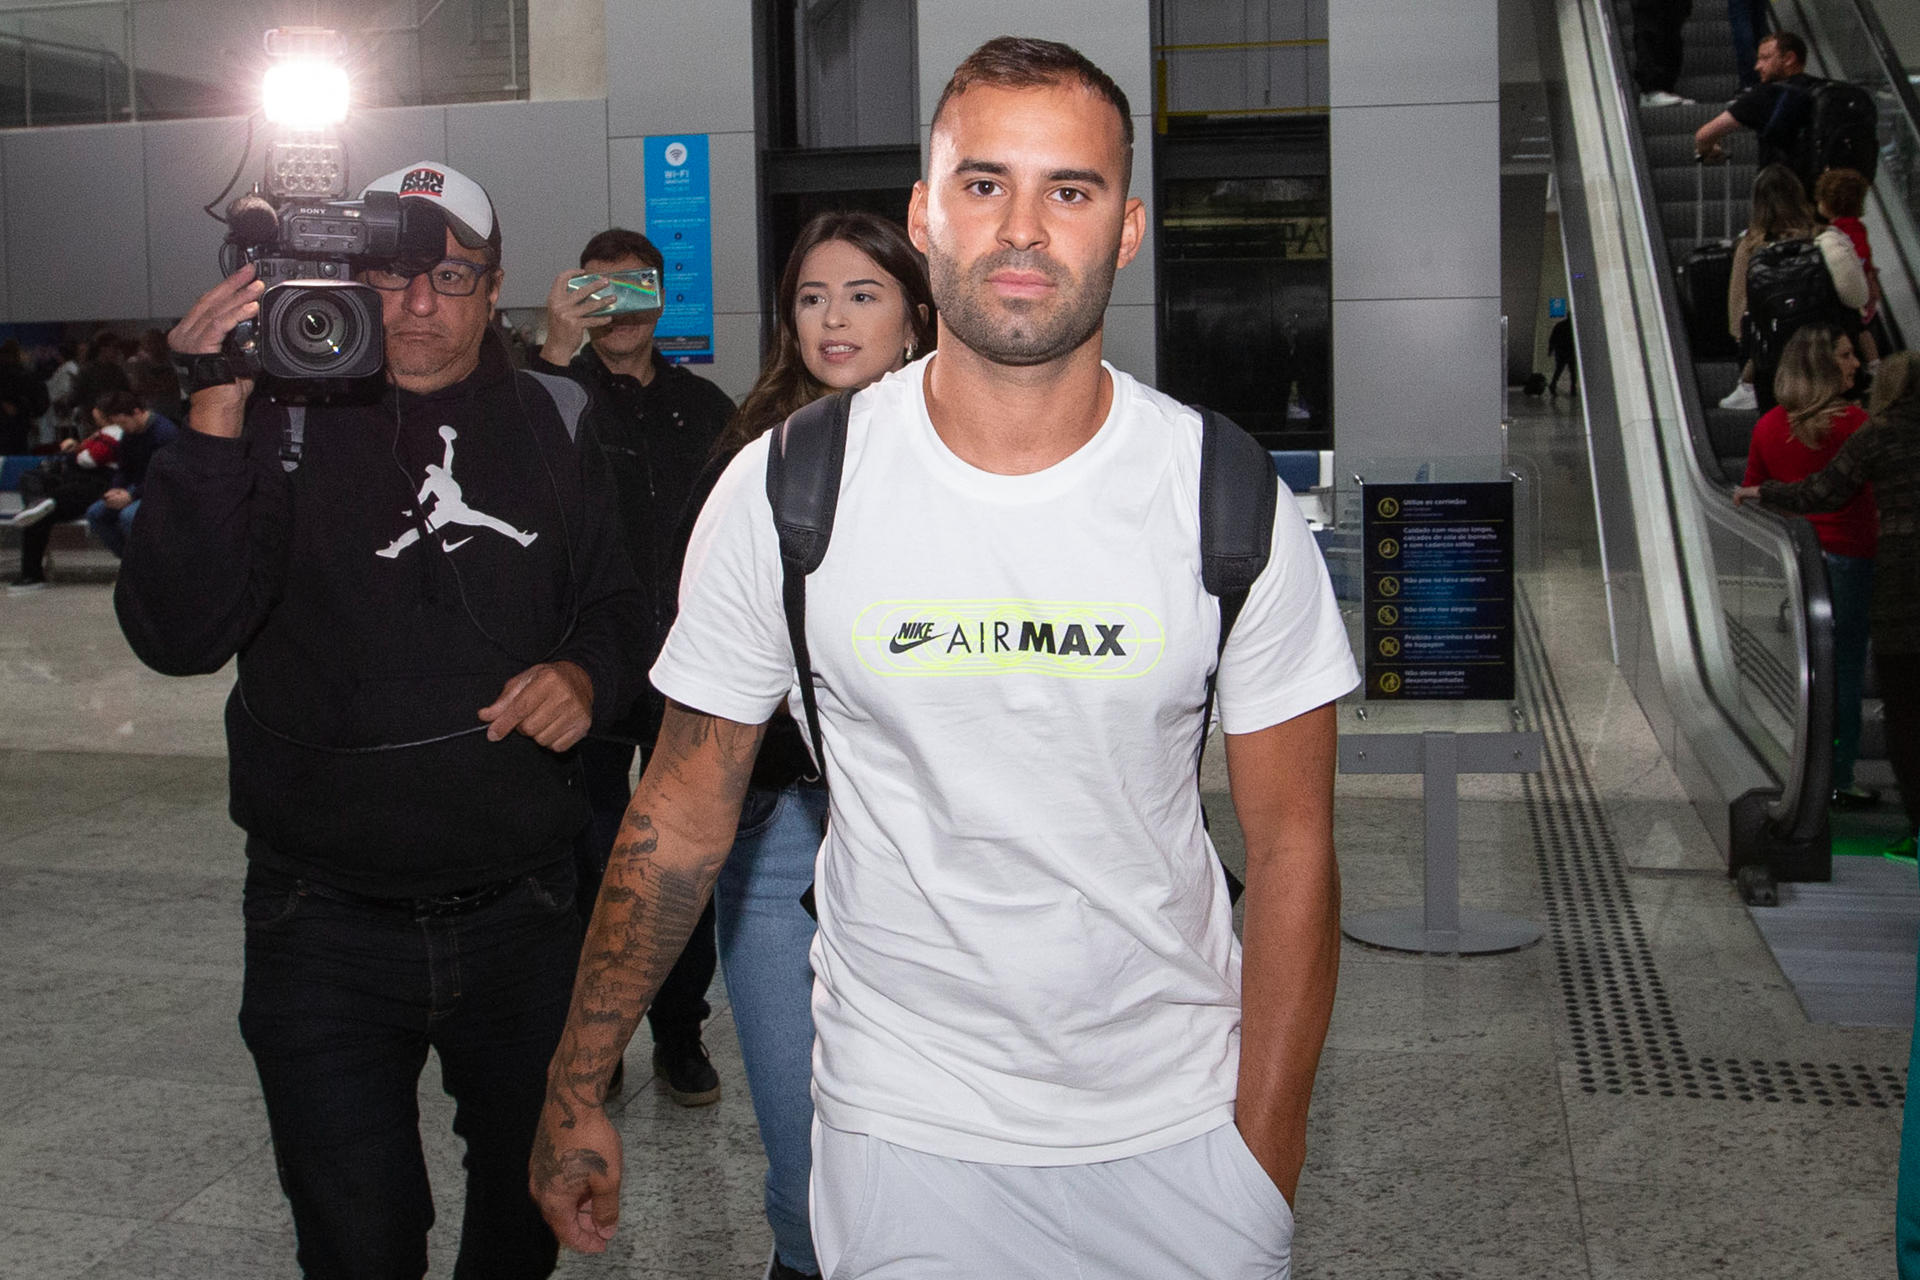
(1826, 124)
(1788, 286)
(1238, 498)
(1842, 132)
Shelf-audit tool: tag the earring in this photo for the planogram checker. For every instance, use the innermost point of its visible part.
(909, 351)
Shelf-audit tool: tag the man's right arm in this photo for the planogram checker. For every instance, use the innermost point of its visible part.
(1706, 140)
(673, 839)
(205, 561)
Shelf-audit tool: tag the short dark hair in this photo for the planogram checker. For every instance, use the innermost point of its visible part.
(1017, 62)
(1788, 43)
(117, 404)
(616, 243)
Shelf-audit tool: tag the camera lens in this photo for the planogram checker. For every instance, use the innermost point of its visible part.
(324, 331)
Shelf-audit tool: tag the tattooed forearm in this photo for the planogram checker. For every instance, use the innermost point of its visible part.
(672, 841)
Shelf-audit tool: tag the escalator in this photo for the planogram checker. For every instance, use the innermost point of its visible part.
(1720, 616)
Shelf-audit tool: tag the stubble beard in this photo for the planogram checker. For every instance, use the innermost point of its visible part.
(1018, 331)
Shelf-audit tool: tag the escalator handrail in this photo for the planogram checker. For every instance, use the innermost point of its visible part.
(1801, 808)
(1889, 60)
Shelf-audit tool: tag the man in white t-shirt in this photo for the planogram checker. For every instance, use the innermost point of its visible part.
(1041, 1049)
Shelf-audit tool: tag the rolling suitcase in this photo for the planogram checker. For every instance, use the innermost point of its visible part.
(1705, 273)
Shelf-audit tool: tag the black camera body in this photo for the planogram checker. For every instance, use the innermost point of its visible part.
(318, 333)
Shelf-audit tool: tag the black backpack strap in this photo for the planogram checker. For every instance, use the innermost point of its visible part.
(1239, 493)
(804, 458)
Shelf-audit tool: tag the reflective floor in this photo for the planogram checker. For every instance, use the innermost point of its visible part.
(1638, 1096)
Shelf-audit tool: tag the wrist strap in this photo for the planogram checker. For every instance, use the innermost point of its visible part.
(200, 371)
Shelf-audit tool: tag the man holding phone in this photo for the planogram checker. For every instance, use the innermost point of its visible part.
(656, 422)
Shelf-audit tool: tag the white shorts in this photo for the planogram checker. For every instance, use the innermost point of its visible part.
(1203, 1208)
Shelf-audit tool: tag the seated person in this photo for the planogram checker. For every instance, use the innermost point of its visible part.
(141, 434)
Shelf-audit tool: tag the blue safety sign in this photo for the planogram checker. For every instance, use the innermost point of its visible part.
(680, 222)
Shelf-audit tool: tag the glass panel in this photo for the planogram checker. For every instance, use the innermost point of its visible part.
(66, 63)
(853, 73)
(1246, 322)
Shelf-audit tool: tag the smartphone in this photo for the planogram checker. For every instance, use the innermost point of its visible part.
(626, 292)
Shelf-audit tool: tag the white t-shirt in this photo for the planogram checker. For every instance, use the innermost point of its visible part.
(1025, 952)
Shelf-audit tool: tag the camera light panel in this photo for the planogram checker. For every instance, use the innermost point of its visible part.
(306, 170)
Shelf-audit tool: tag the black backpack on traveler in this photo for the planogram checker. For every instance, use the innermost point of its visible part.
(1239, 493)
(1788, 287)
(1828, 124)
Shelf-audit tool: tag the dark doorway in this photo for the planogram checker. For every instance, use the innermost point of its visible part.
(1246, 277)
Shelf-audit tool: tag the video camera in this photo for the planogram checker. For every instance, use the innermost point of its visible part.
(317, 332)
(315, 324)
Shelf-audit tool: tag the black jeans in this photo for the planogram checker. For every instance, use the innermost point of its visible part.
(1657, 42)
(342, 1000)
(681, 1004)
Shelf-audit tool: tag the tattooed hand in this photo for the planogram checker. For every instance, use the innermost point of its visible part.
(574, 1175)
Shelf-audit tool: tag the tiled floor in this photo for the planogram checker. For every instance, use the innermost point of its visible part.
(1454, 1133)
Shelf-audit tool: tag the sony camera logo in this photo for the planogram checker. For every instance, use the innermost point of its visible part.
(424, 182)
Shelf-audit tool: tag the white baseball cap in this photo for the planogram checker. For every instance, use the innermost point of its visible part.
(462, 202)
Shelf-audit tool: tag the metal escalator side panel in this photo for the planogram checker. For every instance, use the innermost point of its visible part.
(1663, 522)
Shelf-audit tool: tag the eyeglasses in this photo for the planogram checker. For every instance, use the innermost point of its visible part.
(451, 278)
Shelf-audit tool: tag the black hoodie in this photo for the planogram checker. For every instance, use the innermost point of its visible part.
(371, 628)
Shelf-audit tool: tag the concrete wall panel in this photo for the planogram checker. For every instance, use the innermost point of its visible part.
(378, 142)
(736, 352)
(545, 164)
(1425, 223)
(627, 182)
(1115, 34)
(1417, 378)
(680, 70)
(76, 245)
(1396, 52)
(1130, 341)
(189, 161)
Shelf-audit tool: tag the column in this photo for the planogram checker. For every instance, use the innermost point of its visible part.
(1415, 132)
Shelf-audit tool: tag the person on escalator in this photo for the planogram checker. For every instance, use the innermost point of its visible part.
(1658, 47)
(1792, 441)
(1789, 271)
(1841, 197)
(1774, 108)
(1886, 455)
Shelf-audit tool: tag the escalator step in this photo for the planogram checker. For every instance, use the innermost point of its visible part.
(1674, 182)
(1731, 431)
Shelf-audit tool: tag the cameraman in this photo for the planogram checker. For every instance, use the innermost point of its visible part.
(657, 422)
(430, 610)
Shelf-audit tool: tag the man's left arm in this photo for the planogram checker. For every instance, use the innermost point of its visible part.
(595, 673)
(1281, 779)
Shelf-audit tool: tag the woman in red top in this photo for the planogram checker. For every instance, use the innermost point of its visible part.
(1793, 440)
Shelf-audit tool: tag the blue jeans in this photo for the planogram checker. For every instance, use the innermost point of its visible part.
(1850, 582)
(765, 935)
(113, 528)
(342, 999)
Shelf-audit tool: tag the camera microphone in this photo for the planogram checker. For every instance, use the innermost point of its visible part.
(251, 220)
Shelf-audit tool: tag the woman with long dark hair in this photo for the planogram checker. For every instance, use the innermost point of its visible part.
(1792, 441)
(851, 275)
(854, 306)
